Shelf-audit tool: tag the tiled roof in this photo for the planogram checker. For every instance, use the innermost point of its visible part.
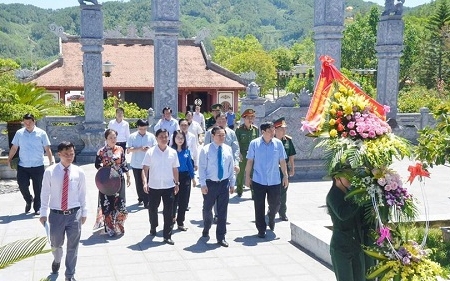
(133, 60)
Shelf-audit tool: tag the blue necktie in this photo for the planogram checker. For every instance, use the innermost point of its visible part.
(220, 164)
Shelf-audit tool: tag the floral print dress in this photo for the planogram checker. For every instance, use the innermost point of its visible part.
(113, 207)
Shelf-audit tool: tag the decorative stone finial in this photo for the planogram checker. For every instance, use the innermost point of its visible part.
(58, 30)
(393, 7)
(252, 91)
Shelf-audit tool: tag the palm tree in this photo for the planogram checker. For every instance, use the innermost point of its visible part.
(22, 249)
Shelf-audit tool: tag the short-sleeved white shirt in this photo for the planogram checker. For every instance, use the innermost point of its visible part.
(161, 164)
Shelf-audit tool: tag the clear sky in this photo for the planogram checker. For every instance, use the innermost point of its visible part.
(58, 4)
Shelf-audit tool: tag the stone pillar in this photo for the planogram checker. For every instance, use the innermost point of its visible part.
(389, 49)
(328, 28)
(166, 24)
(92, 46)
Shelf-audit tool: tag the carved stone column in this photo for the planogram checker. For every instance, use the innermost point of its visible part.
(166, 24)
(328, 27)
(389, 49)
(92, 47)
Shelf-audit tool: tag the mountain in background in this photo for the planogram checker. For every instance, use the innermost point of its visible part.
(25, 34)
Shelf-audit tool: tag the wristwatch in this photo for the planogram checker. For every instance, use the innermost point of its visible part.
(177, 183)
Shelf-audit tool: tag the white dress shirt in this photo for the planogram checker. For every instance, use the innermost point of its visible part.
(52, 185)
(122, 129)
(192, 145)
(199, 118)
(161, 164)
(195, 128)
(137, 140)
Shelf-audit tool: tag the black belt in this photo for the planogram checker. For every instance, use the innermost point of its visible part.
(66, 212)
(217, 181)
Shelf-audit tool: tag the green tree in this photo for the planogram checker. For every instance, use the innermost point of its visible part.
(358, 44)
(243, 55)
(283, 61)
(436, 55)
(303, 52)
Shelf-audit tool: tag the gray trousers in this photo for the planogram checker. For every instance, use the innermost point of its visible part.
(69, 225)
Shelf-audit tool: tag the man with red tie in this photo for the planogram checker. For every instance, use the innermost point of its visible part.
(63, 200)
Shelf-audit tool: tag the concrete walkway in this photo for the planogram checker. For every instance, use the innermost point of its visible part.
(138, 256)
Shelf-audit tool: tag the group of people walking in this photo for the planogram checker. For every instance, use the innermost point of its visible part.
(164, 167)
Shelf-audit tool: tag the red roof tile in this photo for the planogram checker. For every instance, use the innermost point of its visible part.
(134, 67)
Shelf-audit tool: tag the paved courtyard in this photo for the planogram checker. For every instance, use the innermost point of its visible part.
(138, 256)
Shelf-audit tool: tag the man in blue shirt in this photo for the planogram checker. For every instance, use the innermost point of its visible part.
(265, 156)
(230, 118)
(138, 143)
(32, 142)
(167, 122)
(216, 175)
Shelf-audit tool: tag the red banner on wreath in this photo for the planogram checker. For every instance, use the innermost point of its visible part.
(324, 88)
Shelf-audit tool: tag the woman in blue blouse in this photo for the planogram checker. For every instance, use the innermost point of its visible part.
(186, 174)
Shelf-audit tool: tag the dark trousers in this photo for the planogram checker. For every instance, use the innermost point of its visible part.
(69, 225)
(142, 196)
(36, 174)
(218, 193)
(259, 199)
(154, 199)
(123, 145)
(181, 199)
(348, 266)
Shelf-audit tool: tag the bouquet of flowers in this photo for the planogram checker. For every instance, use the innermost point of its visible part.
(401, 259)
(359, 145)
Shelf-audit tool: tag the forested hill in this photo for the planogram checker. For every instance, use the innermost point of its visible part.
(25, 36)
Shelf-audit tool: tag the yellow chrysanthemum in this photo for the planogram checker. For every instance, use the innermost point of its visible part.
(332, 122)
(333, 133)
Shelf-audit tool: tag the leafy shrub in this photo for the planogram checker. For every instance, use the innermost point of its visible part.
(411, 99)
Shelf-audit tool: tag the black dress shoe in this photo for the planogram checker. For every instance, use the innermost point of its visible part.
(55, 267)
(169, 241)
(182, 228)
(140, 203)
(223, 243)
(152, 231)
(272, 225)
(70, 279)
(261, 234)
(215, 219)
(205, 234)
(239, 194)
(28, 207)
(284, 218)
(37, 213)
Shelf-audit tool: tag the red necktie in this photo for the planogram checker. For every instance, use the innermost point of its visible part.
(65, 191)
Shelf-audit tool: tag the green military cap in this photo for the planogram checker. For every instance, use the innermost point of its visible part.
(248, 112)
(216, 106)
(280, 123)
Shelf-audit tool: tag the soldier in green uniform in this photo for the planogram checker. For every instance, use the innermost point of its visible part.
(245, 133)
(346, 253)
(280, 133)
(215, 109)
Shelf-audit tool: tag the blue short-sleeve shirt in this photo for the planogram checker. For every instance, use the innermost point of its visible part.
(31, 146)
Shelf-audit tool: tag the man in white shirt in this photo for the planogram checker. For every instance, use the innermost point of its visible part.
(167, 122)
(138, 143)
(194, 127)
(161, 165)
(121, 127)
(63, 200)
(199, 118)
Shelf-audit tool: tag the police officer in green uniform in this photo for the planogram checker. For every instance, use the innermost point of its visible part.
(280, 133)
(215, 109)
(245, 133)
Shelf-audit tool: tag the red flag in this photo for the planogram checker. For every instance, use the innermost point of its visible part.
(324, 88)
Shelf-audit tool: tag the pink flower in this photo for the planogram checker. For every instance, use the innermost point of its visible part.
(385, 233)
(352, 133)
(364, 135)
(381, 181)
(351, 125)
(386, 108)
